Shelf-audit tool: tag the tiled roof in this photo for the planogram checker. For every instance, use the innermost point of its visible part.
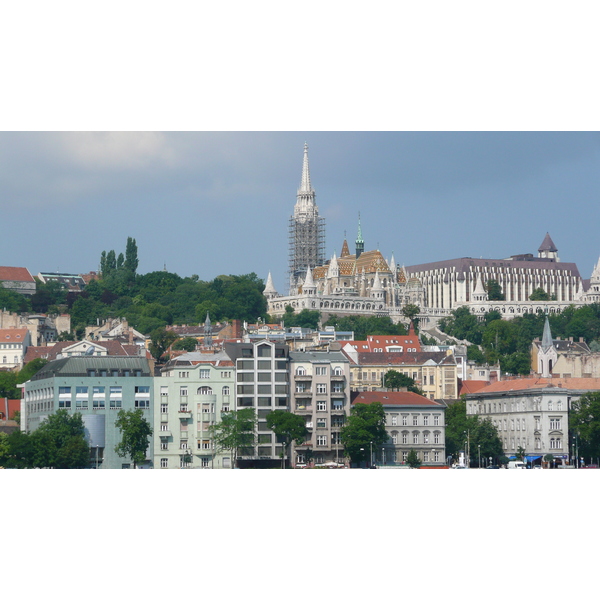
(527, 383)
(15, 274)
(393, 399)
(113, 347)
(547, 245)
(471, 386)
(404, 358)
(14, 336)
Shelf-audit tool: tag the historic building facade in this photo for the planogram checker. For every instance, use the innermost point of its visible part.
(413, 422)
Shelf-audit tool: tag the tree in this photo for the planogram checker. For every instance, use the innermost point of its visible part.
(394, 380)
(494, 290)
(131, 256)
(135, 431)
(412, 460)
(585, 423)
(30, 369)
(520, 453)
(59, 442)
(235, 432)
(365, 426)
(188, 344)
(539, 294)
(161, 340)
(288, 427)
(8, 385)
(410, 311)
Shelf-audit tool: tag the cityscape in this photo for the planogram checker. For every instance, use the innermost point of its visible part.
(355, 360)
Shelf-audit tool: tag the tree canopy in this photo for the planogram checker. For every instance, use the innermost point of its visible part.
(235, 432)
(365, 425)
(585, 423)
(394, 380)
(288, 427)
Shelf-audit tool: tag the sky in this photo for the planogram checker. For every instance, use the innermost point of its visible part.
(212, 203)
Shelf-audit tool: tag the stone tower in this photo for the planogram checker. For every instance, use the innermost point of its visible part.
(306, 232)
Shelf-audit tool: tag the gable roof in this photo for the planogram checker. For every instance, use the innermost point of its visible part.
(401, 358)
(13, 336)
(528, 383)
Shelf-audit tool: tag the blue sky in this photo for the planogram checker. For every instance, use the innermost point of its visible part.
(218, 203)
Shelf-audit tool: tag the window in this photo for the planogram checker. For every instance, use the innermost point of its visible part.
(164, 427)
(81, 390)
(204, 373)
(183, 407)
(184, 374)
(415, 437)
(321, 423)
(426, 437)
(337, 404)
(321, 388)
(81, 404)
(98, 390)
(549, 404)
(321, 440)
(164, 463)
(404, 419)
(116, 390)
(142, 389)
(425, 419)
(320, 370)
(336, 437)
(208, 408)
(205, 462)
(337, 372)
(394, 437)
(164, 446)
(436, 456)
(226, 391)
(321, 405)
(337, 387)
(164, 408)
(404, 437)
(555, 424)
(225, 374)
(183, 445)
(301, 371)
(436, 419)
(436, 437)
(98, 403)
(141, 403)
(64, 391)
(205, 390)
(394, 419)
(183, 391)
(425, 456)
(116, 404)
(415, 420)
(559, 405)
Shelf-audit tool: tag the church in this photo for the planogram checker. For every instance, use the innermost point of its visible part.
(365, 283)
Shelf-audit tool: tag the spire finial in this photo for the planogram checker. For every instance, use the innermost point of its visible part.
(305, 182)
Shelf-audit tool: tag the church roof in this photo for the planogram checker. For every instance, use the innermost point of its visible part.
(547, 245)
(547, 336)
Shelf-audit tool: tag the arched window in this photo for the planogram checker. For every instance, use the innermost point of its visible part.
(204, 390)
(301, 371)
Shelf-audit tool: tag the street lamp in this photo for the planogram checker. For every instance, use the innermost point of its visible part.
(362, 450)
(371, 463)
(479, 454)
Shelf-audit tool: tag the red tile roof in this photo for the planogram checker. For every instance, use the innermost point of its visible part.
(113, 347)
(14, 336)
(15, 274)
(471, 386)
(393, 399)
(527, 383)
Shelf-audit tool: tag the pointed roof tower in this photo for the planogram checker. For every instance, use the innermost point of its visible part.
(360, 243)
(480, 294)
(305, 186)
(546, 336)
(345, 250)
(334, 269)
(548, 249)
(392, 264)
(207, 331)
(269, 290)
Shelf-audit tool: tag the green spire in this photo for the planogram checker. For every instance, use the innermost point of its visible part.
(360, 243)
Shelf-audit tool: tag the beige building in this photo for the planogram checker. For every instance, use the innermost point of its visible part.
(434, 372)
(13, 346)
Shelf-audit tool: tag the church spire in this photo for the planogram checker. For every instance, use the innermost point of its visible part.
(305, 186)
(546, 336)
(360, 243)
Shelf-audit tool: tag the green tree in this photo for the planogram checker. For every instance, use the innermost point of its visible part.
(412, 460)
(19, 454)
(410, 311)
(131, 256)
(13, 301)
(135, 434)
(30, 369)
(235, 432)
(394, 380)
(161, 340)
(475, 354)
(188, 344)
(59, 442)
(462, 325)
(365, 426)
(8, 385)
(288, 427)
(585, 423)
(539, 295)
(494, 290)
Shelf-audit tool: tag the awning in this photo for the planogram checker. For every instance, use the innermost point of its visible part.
(532, 458)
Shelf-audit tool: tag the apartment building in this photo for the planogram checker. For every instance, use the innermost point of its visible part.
(321, 394)
(194, 389)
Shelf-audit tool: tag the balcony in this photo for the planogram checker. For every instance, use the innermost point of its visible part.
(164, 434)
(303, 393)
(304, 407)
(183, 435)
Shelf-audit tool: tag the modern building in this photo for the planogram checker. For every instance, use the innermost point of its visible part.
(192, 393)
(532, 413)
(321, 384)
(69, 281)
(413, 422)
(262, 383)
(98, 387)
